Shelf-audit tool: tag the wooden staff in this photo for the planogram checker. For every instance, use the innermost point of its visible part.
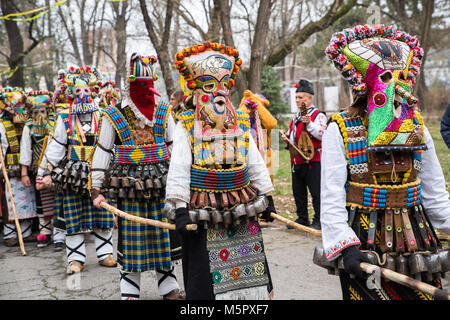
(406, 281)
(296, 225)
(146, 221)
(13, 204)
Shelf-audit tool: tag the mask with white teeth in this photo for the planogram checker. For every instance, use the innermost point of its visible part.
(215, 114)
(381, 64)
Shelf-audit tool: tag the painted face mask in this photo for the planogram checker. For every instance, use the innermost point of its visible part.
(210, 76)
(141, 88)
(39, 103)
(108, 94)
(81, 88)
(14, 99)
(381, 64)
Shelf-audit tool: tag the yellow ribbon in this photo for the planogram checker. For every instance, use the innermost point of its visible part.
(24, 13)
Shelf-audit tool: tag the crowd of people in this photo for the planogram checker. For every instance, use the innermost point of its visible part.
(205, 166)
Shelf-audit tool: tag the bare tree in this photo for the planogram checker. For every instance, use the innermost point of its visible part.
(121, 16)
(84, 32)
(17, 50)
(338, 9)
(159, 34)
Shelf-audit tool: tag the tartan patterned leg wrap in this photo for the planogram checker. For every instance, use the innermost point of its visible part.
(130, 285)
(103, 244)
(76, 248)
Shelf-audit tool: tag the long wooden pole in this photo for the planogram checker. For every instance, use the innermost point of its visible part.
(151, 222)
(13, 204)
(296, 225)
(406, 281)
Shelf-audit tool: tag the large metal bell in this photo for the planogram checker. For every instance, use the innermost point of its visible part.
(444, 258)
(112, 194)
(169, 211)
(123, 193)
(401, 265)
(251, 211)
(216, 218)
(125, 182)
(194, 216)
(261, 203)
(227, 218)
(372, 257)
(157, 183)
(434, 266)
(417, 264)
(114, 182)
(320, 259)
(390, 262)
(148, 184)
(238, 212)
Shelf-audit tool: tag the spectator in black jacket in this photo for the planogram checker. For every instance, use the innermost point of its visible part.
(445, 126)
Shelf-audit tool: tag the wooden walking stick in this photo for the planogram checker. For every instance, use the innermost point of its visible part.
(146, 221)
(296, 225)
(13, 205)
(406, 281)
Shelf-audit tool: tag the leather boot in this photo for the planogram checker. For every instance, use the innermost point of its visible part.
(109, 261)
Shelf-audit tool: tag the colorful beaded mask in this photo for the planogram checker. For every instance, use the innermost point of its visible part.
(141, 80)
(208, 71)
(108, 93)
(80, 85)
(13, 101)
(40, 104)
(382, 63)
(59, 100)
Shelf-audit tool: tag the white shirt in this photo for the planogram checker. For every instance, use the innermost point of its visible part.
(336, 234)
(26, 153)
(106, 138)
(4, 140)
(179, 176)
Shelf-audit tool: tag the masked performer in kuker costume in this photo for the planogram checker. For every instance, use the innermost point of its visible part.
(108, 94)
(68, 153)
(34, 139)
(140, 132)
(14, 114)
(60, 103)
(218, 179)
(383, 190)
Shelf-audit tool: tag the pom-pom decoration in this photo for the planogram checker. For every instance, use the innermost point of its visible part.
(187, 81)
(340, 41)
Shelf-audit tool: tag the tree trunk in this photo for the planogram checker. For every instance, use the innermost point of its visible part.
(224, 8)
(120, 27)
(319, 91)
(420, 88)
(161, 45)
(343, 93)
(16, 47)
(259, 46)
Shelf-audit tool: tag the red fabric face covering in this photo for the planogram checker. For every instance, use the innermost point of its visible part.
(142, 94)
